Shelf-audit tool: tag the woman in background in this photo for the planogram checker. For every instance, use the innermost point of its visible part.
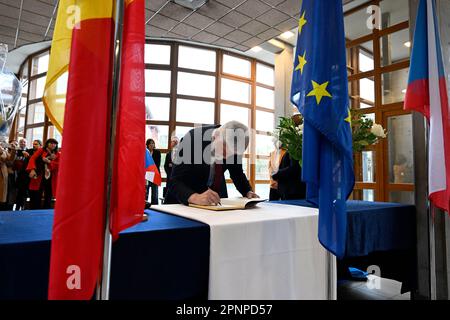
(156, 155)
(7, 155)
(289, 179)
(43, 171)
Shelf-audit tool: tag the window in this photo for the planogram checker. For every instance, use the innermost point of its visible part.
(195, 111)
(264, 144)
(36, 113)
(160, 134)
(198, 85)
(157, 54)
(265, 74)
(204, 59)
(40, 64)
(265, 121)
(35, 134)
(180, 96)
(265, 98)
(157, 81)
(365, 61)
(181, 131)
(236, 66)
(236, 91)
(229, 113)
(384, 172)
(37, 88)
(157, 108)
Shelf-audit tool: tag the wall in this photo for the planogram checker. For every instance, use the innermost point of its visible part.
(283, 78)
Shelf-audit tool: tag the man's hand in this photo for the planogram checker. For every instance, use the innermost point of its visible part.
(25, 154)
(207, 198)
(251, 195)
(32, 174)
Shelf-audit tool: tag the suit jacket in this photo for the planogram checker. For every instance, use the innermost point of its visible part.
(157, 158)
(188, 178)
(289, 177)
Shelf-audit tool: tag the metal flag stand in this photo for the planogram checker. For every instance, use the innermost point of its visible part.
(331, 276)
(103, 284)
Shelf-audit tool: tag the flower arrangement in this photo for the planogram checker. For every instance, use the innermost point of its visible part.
(289, 134)
(366, 133)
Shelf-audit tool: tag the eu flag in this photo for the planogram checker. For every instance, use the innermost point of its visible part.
(320, 91)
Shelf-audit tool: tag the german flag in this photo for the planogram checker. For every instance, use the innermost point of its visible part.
(81, 52)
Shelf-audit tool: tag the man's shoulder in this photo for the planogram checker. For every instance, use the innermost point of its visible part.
(200, 131)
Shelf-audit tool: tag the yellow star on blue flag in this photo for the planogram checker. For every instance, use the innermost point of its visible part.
(349, 117)
(301, 23)
(319, 91)
(301, 63)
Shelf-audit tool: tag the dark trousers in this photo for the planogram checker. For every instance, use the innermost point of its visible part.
(22, 191)
(36, 196)
(153, 188)
(35, 199)
(46, 187)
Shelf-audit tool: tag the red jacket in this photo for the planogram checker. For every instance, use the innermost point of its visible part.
(35, 184)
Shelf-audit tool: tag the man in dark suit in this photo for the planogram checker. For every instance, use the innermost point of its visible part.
(203, 155)
(288, 176)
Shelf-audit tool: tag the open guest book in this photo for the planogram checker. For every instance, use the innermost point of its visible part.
(231, 204)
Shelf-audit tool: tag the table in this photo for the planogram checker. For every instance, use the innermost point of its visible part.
(381, 234)
(180, 270)
(269, 252)
(182, 247)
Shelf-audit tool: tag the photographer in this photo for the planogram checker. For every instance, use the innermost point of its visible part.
(43, 172)
(7, 155)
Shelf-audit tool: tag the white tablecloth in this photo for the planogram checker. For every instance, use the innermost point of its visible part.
(268, 252)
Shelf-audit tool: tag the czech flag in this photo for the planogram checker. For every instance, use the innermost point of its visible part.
(427, 94)
(152, 173)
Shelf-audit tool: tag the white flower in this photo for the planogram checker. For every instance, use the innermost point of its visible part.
(377, 129)
(299, 129)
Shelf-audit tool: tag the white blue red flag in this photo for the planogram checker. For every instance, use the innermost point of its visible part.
(427, 94)
(152, 173)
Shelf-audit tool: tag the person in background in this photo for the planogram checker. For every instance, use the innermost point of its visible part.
(7, 154)
(43, 172)
(23, 180)
(168, 163)
(274, 163)
(156, 155)
(12, 175)
(289, 179)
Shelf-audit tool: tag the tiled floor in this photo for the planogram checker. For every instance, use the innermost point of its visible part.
(375, 288)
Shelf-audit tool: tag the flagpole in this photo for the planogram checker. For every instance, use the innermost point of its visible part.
(331, 276)
(103, 285)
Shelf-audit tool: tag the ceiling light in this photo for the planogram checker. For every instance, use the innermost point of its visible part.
(191, 4)
(256, 49)
(407, 44)
(277, 43)
(287, 35)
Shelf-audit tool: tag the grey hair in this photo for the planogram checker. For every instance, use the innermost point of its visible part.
(236, 136)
